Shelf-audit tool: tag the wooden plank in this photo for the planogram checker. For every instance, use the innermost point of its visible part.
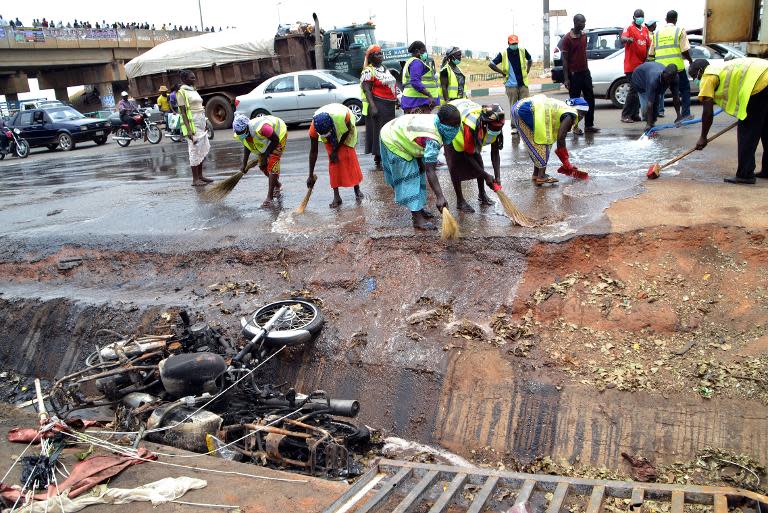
(417, 492)
(721, 504)
(596, 499)
(525, 491)
(386, 490)
(559, 498)
(481, 499)
(447, 496)
(678, 501)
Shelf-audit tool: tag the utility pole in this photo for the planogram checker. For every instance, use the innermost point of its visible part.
(423, 23)
(200, 10)
(407, 39)
(546, 33)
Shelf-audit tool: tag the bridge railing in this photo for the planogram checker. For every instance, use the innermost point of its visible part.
(69, 38)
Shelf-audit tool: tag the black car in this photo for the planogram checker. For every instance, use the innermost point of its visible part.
(601, 42)
(59, 127)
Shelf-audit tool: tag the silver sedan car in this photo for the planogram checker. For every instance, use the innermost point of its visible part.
(294, 97)
(608, 77)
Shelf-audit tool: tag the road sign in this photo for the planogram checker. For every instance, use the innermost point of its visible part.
(558, 12)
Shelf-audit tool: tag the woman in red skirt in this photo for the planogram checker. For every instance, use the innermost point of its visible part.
(334, 126)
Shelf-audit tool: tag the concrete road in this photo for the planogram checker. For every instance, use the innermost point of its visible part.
(142, 193)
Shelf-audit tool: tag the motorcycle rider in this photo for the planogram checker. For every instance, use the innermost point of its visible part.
(126, 108)
(3, 138)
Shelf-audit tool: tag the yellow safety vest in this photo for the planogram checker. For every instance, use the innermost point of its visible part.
(546, 118)
(184, 97)
(523, 65)
(667, 43)
(400, 134)
(363, 96)
(338, 113)
(257, 143)
(453, 83)
(428, 80)
(470, 115)
(737, 81)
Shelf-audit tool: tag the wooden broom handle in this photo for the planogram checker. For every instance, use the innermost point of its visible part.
(688, 152)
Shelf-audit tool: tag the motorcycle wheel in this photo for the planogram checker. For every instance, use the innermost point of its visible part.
(2, 155)
(302, 321)
(175, 137)
(154, 135)
(22, 149)
(122, 132)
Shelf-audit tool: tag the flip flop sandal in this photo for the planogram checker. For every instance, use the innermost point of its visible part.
(546, 180)
(577, 131)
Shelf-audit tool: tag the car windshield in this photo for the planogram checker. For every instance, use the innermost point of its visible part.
(64, 114)
(340, 76)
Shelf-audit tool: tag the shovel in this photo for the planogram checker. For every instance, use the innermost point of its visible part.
(655, 170)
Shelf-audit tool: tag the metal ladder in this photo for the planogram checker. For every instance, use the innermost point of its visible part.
(402, 487)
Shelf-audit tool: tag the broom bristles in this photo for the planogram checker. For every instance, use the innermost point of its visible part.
(450, 229)
(220, 190)
(304, 202)
(515, 214)
(653, 172)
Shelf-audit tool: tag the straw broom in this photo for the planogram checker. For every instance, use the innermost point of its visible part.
(515, 214)
(220, 190)
(303, 205)
(450, 229)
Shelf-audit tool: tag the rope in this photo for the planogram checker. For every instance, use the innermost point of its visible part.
(166, 428)
(203, 505)
(18, 458)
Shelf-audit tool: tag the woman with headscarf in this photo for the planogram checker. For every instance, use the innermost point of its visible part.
(379, 99)
(265, 136)
(409, 148)
(480, 126)
(420, 91)
(193, 125)
(451, 77)
(334, 126)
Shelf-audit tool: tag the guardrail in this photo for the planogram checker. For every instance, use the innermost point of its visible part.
(482, 77)
(52, 38)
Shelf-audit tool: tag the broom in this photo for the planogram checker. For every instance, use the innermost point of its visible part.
(655, 170)
(450, 226)
(515, 214)
(303, 205)
(220, 191)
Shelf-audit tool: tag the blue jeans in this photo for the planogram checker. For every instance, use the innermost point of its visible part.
(685, 93)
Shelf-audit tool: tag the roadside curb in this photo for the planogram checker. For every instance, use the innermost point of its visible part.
(534, 88)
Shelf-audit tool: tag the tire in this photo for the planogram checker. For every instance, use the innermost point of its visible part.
(618, 92)
(52, 147)
(219, 111)
(22, 149)
(100, 140)
(66, 143)
(154, 135)
(122, 132)
(303, 322)
(2, 156)
(357, 109)
(209, 128)
(175, 138)
(259, 112)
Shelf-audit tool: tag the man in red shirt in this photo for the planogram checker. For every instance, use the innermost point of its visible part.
(636, 41)
(576, 75)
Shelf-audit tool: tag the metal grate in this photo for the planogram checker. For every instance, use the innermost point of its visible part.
(405, 487)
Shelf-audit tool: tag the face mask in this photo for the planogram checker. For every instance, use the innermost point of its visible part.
(424, 56)
(242, 137)
(455, 61)
(447, 132)
(696, 82)
(513, 47)
(493, 133)
(639, 21)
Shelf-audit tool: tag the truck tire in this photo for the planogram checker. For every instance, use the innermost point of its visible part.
(356, 107)
(219, 111)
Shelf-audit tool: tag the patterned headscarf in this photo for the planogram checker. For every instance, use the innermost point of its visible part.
(324, 126)
(240, 123)
(371, 50)
(492, 116)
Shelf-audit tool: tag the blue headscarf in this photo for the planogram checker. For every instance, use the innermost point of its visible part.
(240, 123)
(447, 132)
(324, 125)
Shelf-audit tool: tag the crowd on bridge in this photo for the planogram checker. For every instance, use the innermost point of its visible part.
(81, 24)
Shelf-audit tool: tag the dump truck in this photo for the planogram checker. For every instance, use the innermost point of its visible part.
(744, 21)
(232, 63)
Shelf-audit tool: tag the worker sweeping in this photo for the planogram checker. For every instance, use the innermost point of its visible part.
(740, 88)
(410, 145)
(480, 126)
(266, 137)
(542, 121)
(334, 126)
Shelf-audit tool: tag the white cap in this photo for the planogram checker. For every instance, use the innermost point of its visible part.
(124, 93)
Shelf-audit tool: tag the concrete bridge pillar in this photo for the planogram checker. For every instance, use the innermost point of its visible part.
(61, 94)
(11, 85)
(106, 94)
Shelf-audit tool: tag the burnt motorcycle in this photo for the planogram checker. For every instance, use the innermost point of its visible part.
(143, 129)
(14, 144)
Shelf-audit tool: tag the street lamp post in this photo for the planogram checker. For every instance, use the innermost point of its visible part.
(200, 10)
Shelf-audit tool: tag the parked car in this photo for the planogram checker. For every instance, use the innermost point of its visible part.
(294, 97)
(59, 127)
(601, 42)
(610, 82)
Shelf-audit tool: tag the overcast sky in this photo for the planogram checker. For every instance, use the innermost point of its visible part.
(484, 28)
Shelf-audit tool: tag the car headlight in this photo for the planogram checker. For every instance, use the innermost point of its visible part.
(83, 128)
(17, 131)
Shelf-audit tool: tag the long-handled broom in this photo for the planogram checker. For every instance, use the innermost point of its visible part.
(450, 228)
(515, 214)
(220, 191)
(303, 205)
(655, 170)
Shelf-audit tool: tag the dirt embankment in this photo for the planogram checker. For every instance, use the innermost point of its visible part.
(648, 341)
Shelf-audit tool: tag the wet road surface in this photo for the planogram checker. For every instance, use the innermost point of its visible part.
(143, 193)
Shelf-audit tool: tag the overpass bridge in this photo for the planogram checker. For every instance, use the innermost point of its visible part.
(66, 57)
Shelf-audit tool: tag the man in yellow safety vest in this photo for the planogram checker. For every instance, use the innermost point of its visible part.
(514, 62)
(740, 88)
(670, 45)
